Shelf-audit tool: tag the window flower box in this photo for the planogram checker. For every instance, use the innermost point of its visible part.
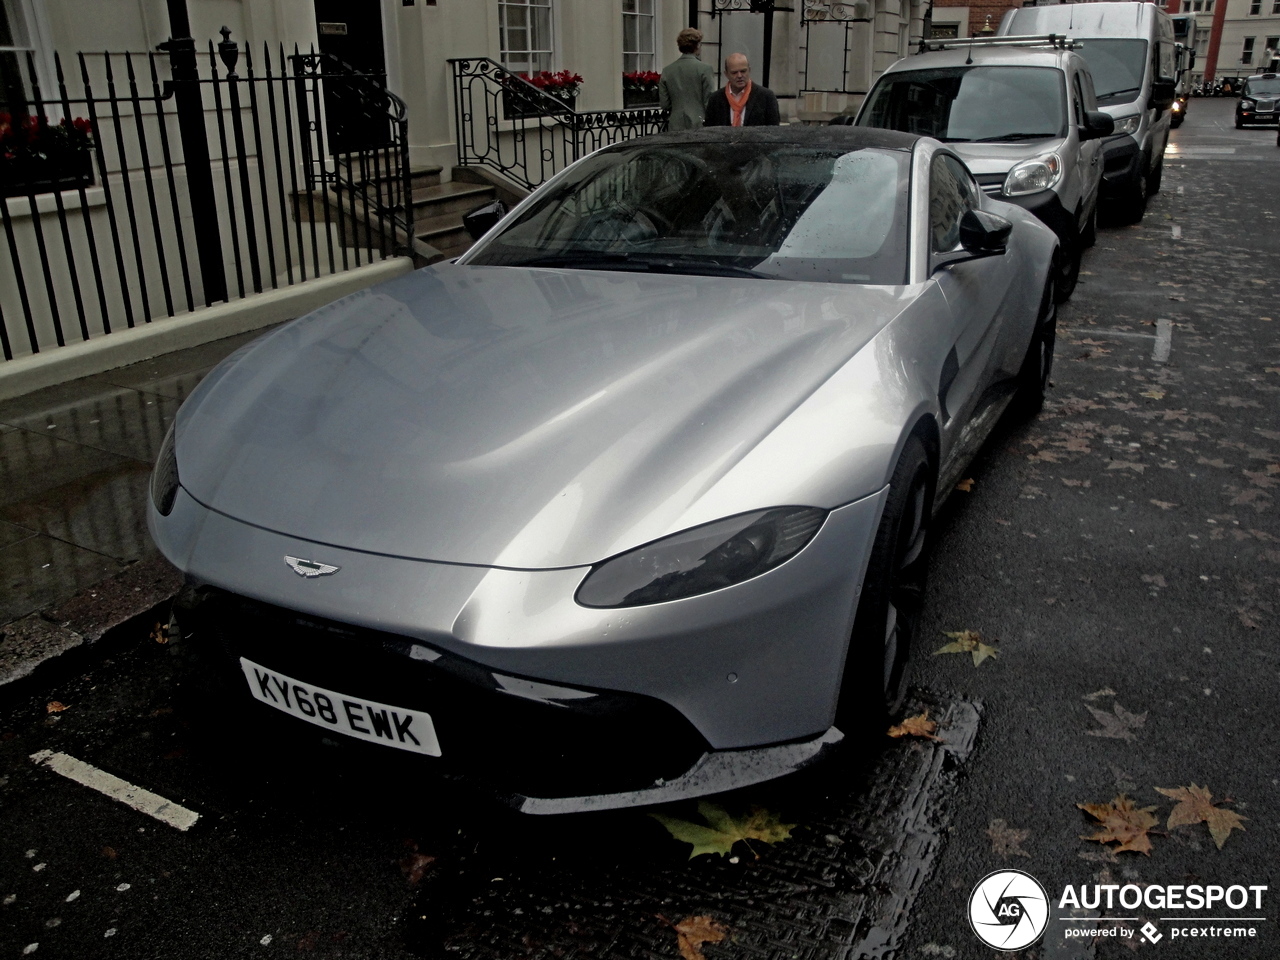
(640, 89)
(519, 101)
(39, 157)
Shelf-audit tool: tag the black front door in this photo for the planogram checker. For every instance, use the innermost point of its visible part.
(355, 107)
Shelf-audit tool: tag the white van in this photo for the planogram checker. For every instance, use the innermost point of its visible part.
(1131, 54)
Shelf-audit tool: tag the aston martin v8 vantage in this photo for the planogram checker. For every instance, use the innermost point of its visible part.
(630, 503)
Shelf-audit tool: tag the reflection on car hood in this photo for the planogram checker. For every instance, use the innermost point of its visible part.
(512, 416)
(1000, 157)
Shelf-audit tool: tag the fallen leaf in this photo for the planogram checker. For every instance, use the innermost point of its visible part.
(1126, 465)
(968, 641)
(1155, 579)
(1122, 823)
(414, 867)
(1118, 725)
(693, 932)
(724, 830)
(918, 726)
(54, 706)
(1163, 504)
(1155, 393)
(160, 633)
(965, 486)
(1195, 805)
(109, 853)
(1005, 840)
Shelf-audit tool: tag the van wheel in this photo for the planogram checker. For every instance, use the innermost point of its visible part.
(1089, 235)
(1033, 378)
(1134, 205)
(1069, 272)
(1153, 182)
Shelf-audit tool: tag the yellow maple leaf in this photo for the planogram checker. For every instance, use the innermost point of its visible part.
(918, 726)
(722, 830)
(966, 486)
(1122, 823)
(693, 932)
(968, 641)
(1195, 804)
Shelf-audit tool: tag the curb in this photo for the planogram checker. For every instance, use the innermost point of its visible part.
(40, 638)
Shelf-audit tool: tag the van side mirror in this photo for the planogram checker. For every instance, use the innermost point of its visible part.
(1162, 93)
(1097, 124)
(482, 219)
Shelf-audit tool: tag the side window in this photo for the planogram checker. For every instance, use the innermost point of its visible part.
(1086, 88)
(952, 194)
(1077, 99)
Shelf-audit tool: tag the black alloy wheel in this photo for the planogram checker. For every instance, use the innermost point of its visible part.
(892, 597)
(1037, 365)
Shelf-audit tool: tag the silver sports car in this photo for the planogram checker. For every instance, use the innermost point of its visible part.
(630, 503)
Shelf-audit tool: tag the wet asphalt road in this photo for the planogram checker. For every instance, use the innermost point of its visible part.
(1125, 541)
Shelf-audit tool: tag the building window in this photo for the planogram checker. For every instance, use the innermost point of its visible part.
(1255, 7)
(1197, 6)
(638, 36)
(1270, 52)
(14, 48)
(1208, 6)
(525, 30)
(1246, 55)
(1275, 7)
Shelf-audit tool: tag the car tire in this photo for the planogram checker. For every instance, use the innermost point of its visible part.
(875, 672)
(1157, 175)
(1069, 271)
(1037, 365)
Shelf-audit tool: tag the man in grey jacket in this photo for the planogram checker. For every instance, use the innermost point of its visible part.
(686, 83)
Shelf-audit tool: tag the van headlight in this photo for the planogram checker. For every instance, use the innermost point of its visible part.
(1032, 176)
(701, 559)
(1127, 124)
(164, 478)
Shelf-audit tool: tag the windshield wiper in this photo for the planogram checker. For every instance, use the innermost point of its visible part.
(1118, 93)
(1015, 136)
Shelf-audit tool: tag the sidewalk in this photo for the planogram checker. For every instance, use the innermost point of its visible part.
(75, 459)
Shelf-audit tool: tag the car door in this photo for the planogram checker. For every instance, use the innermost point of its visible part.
(976, 292)
(1090, 151)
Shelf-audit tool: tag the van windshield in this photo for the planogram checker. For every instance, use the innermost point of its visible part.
(1117, 67)
(978, 103)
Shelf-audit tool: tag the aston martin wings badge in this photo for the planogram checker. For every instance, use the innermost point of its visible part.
(309, 568)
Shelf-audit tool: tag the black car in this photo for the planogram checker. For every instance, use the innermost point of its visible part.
(1259, 100)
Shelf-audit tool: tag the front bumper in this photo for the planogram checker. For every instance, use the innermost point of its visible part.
(1253, 116)
(687, 698)
(1121, 166)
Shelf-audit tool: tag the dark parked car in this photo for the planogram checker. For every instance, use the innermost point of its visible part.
(1259, 100)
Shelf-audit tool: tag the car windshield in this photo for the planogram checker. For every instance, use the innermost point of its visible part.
(769, 210)
(1117, 67)
(1266, 87)
(976, 103)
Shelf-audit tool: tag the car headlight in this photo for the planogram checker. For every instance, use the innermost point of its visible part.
(701, 559)
(1127, 124)
(1248, 104)
(1177, 105)
(164, 478)
(1032, 176)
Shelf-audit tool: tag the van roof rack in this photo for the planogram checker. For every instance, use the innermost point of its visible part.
(1055, 40)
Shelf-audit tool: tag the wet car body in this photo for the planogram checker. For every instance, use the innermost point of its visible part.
(1259, 101)
(404, 518)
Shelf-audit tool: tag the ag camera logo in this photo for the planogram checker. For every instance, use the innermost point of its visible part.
(1008, 909)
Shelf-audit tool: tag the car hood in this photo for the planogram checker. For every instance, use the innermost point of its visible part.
(1000, 157)
(506, 416)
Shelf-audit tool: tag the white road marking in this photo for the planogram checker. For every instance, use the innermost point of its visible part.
(144, 801)
(1164, 341)
(1177, 232)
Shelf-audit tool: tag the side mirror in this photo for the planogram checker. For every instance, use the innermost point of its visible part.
(1162, 93)
(984, 234)
(1097, 124)
(482, 219)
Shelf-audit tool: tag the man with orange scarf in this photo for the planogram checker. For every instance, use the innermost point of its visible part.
(741, 103)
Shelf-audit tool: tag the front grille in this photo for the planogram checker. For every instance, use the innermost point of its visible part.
(608, 743)
(1265, 106)
(991, 183)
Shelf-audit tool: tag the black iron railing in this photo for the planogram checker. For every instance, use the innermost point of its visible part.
(175, 186)
(508, 125)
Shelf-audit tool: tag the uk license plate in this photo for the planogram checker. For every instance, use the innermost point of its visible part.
(382, 723)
